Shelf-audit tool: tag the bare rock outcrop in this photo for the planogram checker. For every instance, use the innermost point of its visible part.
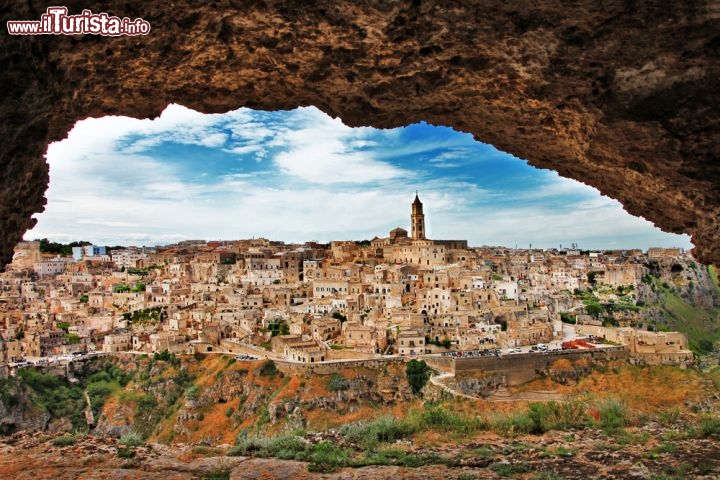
(618, 95)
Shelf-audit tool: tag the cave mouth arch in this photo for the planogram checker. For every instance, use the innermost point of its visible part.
(301, 175)
(615, 96)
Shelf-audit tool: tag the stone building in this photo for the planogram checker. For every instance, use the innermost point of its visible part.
(119, 342)
(411, 342)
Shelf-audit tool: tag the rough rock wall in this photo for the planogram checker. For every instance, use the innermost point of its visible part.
(17, 410)
(620, 95)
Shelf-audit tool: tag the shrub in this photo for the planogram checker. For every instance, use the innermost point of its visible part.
(670, 417)
(206, 450)
(394, 456)
(229, 411)
(327, 457)
(132, 439)
(710, 426)
(338, 382)
(613, 415)
(510, 424)
(219, 473)
(192, 393)
(556, 416)
(166, 356)
(64, 441)
(610, 322)
(385, 429)
(246, 446)
(268, 369)
(437, 418)
(99, 391)
(706, 345)
(546, 475)
(509, 469)
(286, 447)
(126, 452)
(235, 451)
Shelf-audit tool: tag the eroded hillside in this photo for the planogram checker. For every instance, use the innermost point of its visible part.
(197, 417)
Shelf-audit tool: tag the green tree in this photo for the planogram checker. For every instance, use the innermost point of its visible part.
(56, 248)
(706, 345)
(339, 316)
(593, 309)
(72, 338)
(278, 327)
(418, 374)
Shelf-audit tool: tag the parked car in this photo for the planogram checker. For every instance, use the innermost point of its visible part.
(243, 356)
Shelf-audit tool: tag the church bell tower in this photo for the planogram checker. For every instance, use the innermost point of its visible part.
(417, 220)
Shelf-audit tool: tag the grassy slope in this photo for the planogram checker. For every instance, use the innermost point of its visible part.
(714, 276)
(695, 322)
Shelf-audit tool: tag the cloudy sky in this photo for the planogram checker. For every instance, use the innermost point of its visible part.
(302, 175)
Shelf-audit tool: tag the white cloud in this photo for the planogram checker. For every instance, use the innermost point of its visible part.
(323, 180)
(320, 150)
(559, 186)
(246, 149)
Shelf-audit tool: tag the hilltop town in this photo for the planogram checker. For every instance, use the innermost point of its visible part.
(403, 295)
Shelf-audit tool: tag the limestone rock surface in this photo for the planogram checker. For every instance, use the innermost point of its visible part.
(620, 95)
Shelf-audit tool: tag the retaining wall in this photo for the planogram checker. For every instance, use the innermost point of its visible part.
(327, 368)
(521, 368)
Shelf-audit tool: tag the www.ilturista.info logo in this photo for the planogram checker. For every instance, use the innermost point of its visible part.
(57, 22)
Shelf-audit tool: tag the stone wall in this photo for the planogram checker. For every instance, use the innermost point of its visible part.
(680, 359)
(327, 368)
(444, 364)
(349, 355)
(522, 368)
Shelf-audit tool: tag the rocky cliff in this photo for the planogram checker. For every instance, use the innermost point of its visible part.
(17, 410)
(214, 399)
(619, 95)
(618, 419)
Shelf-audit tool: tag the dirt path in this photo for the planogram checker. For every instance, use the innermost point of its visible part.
(89, 416)
(504, 395)
(438, 381)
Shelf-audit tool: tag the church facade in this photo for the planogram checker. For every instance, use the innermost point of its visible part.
(417, 249)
